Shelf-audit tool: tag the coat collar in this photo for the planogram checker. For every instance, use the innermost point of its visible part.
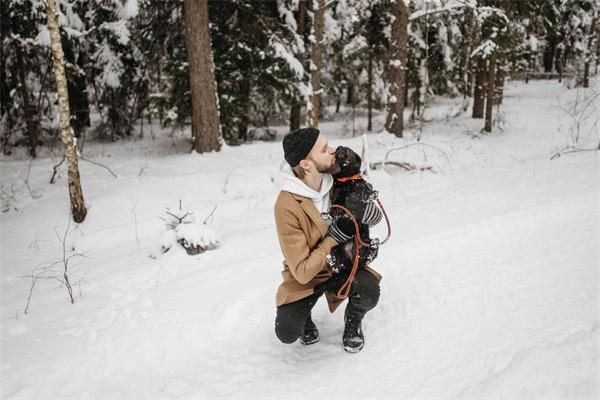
(309, 208)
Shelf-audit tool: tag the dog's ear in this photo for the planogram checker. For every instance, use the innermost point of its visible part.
(357, 160)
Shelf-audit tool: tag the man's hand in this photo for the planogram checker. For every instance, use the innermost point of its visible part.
(334, 283)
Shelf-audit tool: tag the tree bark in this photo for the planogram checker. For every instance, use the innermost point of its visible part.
(469, 34)
(78, 208)
(398, 59)
(479, 89)
(499, 85)
(31, 125)
(491, 83)
(206, 129)
(315, 68)
(370, 92)
(296, 111)
(588, 52)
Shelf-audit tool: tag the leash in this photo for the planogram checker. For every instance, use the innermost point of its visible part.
(358, 243)
(387, 220)
(344, 291)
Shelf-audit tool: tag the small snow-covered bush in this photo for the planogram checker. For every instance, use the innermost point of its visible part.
(262, 133)
(182, 229)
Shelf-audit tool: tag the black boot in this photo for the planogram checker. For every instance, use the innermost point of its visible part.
(311, 333)
(353, 339)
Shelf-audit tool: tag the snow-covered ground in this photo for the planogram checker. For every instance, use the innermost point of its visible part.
(490, 290)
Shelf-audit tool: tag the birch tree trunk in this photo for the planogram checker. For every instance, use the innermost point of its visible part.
(491, 84)
(206, 128)
(78, 209)
(315, 67)
(395, 120)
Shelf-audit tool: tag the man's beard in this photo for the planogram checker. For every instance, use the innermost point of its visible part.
(331, 169)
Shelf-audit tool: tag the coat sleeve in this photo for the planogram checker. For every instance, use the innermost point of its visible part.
(304, 263)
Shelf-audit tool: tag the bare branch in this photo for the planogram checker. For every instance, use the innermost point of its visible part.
(55, 169)
(100, 165)
(209, 215)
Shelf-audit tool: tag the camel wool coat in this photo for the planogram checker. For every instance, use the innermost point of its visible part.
(303, 239)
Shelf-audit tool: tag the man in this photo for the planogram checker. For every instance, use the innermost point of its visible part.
(306, 241)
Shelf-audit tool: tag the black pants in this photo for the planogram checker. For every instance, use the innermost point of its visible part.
(290, 320)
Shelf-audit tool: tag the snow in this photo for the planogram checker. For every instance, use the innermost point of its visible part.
(113, 67)
(486, 49)
(490, 276)
(282, 52)
(119, 29)
(130, 9)
(43, 36)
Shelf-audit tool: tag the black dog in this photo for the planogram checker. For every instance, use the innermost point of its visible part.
(351, 191)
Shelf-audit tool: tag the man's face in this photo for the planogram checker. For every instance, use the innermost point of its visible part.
(323, 156)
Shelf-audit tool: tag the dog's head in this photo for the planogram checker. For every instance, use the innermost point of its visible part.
(348, 161)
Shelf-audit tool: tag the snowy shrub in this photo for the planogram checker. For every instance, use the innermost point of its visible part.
(182, 229)
(262, 133)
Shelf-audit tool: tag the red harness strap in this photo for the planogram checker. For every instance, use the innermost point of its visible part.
(350, 178)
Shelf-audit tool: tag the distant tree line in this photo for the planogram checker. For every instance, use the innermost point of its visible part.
(131, 63)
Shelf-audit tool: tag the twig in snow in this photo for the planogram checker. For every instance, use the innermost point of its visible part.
(55, 169)
(210, 215)
(26, 181)
(560, 153)
(48, 272)
(385, 158)
(137, 237)
(100, 165)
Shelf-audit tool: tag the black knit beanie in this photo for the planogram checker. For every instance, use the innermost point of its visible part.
(297, 144)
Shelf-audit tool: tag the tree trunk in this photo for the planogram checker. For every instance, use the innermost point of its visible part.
(470, 32)
(370, 92)
(350, 93)
(500, 73)
(243, 118)
(597, 50)
(491, 83)
(398, 58)
(588, 53)
(206, 129)
(78, 209)
(315, 68)
(558, 61)
(296, 111)
(31, 125)
(479, 89)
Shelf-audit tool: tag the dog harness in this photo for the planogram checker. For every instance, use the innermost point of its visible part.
(358, 243)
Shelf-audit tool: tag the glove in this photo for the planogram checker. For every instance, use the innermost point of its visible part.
(341, 229)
